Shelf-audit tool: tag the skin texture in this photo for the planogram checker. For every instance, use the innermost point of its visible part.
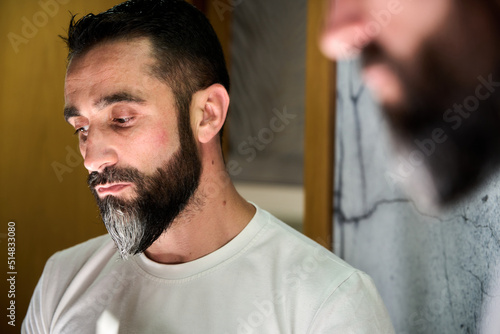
(422, 58)
(142, 133)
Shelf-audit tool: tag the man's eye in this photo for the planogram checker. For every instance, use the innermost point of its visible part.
(83, 129)
(122, 120)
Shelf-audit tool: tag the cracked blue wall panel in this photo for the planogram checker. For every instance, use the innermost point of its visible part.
(436, 273)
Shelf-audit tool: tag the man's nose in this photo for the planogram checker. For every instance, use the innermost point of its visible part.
(343, 34)
(97, 151)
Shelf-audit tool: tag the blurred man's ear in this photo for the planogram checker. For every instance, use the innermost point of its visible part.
(208, 112)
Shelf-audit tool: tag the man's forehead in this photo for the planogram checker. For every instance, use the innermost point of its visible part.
(110, 54)
(111, 71)
(110, 63)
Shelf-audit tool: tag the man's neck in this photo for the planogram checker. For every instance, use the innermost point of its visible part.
(214, 216)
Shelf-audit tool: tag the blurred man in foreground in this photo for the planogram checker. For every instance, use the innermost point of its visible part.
(434, 67)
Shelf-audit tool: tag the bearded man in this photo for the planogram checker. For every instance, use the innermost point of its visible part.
(147, 93)
(434, 67)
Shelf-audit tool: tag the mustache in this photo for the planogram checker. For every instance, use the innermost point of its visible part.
(372, 54)
(113, 175)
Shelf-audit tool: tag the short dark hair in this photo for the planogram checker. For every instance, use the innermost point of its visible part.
(188, 52)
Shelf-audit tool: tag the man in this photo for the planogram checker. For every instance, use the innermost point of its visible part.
(434, 67)
(147, 93)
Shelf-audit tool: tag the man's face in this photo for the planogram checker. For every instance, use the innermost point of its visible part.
(142, 158)
(421, 59)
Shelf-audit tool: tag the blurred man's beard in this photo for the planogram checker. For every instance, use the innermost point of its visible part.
(470, 146)
(159, 198)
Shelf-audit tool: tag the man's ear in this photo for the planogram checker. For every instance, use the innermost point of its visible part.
(208, 112)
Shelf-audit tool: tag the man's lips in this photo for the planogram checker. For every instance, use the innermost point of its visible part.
(111, 189)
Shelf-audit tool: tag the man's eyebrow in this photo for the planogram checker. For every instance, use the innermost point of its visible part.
(116, 98)
(70, 112)
(104, 102)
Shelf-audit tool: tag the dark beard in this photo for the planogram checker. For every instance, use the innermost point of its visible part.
(471, 150)
(135, 224)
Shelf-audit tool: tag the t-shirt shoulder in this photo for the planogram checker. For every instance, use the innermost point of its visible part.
(319, 283)
(101, 248)
(85, 249)
(302, 252)
(63, 267)
(293, 238)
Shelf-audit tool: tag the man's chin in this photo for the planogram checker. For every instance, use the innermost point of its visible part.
(442, 168)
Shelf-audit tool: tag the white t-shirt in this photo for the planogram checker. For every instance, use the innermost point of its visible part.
(268, 279)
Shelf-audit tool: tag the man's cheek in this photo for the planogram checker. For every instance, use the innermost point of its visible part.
(156, 140)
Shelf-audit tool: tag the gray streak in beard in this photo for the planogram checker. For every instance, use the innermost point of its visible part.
(125, 228)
